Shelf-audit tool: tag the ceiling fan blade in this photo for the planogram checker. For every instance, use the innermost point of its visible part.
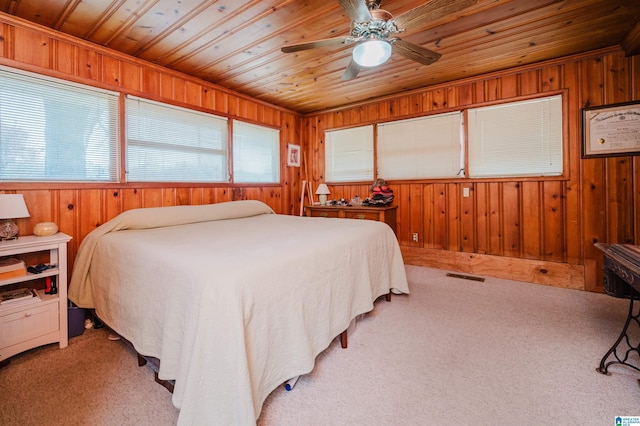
(327, 42)
(351, 71)
(415, 52)
(431, 11)
(356, 9)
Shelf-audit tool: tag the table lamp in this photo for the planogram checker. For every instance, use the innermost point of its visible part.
(322, 193)
(12, 207)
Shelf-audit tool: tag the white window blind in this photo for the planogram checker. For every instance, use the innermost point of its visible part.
(425, 147)
(349, 154)
(256, 153)
(516, 139)
(56, 131)
(166, 143)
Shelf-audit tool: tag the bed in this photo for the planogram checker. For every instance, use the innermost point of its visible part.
(232, 298)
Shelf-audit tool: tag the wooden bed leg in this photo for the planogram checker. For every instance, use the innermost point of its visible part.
(388, 297)
(141, 361)
(167, 384)
(343, 339)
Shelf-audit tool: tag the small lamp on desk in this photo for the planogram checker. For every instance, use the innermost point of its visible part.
(322, 192)
(12, 206)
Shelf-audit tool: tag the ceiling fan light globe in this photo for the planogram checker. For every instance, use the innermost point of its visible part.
(372, 53)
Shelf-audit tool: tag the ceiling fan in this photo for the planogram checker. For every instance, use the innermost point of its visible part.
(373, 31)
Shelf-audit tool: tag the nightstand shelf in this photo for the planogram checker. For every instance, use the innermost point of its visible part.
(28, 324)
(30, 277)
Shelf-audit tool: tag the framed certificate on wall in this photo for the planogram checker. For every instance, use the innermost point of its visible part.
(611, 130)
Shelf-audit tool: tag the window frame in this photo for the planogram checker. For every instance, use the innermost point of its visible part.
(232, 159)
(374, 151)
(187, 112)
(460, 143)
(120, 180)
(113, 99)
(564, 137)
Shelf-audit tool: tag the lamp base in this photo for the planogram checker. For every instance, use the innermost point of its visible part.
(8, 230)
(323, 199)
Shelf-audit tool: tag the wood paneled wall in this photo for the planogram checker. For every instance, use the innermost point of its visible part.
(539, 230)
(80, 208)
(533, 230)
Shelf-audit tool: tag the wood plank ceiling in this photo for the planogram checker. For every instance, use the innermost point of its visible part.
(237, 44)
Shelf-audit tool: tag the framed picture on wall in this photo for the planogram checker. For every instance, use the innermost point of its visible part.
(611, 130)
(293, 155)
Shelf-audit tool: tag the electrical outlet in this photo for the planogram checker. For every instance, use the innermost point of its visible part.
(414, 237)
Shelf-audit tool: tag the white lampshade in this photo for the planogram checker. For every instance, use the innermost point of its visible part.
(322, 192)
(323, 189)
(12, 206)
(371, 53)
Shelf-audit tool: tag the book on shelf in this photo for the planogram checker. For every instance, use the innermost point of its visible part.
(13, 274)
(8, 264)
(18, 295)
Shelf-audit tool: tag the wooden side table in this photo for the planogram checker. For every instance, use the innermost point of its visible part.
(382, 214)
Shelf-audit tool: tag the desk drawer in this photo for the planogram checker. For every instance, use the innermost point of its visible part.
(362, 215)
(325, 213)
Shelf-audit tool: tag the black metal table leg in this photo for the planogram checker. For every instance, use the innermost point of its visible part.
(624, 337)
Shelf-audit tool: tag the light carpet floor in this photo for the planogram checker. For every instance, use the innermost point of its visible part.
(453, 352)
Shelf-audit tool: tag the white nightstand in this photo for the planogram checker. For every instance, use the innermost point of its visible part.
(26, 325)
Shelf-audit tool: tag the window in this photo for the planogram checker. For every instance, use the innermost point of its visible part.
(426, 147)
(349, 154)
(56, 131)
(172, 144)
(516, 139)
(256, 153)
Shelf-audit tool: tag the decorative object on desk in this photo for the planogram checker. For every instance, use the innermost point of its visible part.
(44, 229)
(381, 194)
(322, 192)
(340, 202)
(12, 206)
(356, 201)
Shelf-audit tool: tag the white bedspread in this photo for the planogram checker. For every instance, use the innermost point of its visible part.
(235, 307)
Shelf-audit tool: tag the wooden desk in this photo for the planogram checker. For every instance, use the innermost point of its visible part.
(622, 279)
(382, 214)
